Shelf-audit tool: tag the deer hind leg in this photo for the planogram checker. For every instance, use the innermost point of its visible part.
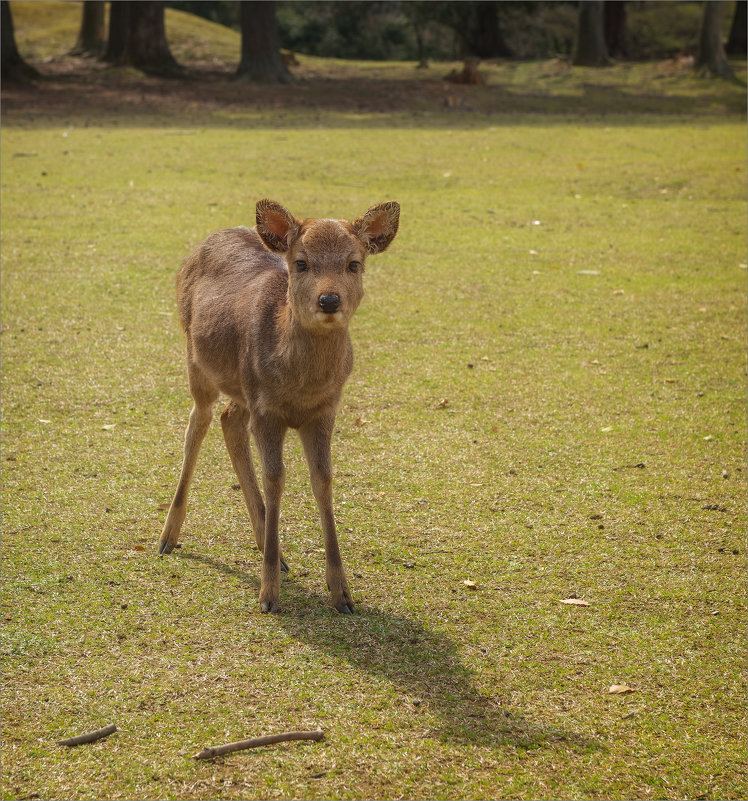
(316, 440)
(205, 396)
(269, 438)
(235, 424)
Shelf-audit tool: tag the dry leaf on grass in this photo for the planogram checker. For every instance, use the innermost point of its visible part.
(471, 585)
(620, 689)
(442, 403)
(574, 602)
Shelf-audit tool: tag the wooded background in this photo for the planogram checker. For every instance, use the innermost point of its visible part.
(590, 33)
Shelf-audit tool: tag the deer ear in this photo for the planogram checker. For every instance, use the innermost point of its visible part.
(377, 228)
(275, 225)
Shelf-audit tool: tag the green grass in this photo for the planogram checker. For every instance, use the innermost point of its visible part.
(559, 383)
(49, 31)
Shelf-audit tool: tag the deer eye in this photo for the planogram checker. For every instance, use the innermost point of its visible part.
(300, 266)
(354, 266)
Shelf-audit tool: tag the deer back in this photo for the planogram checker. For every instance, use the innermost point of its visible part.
(266, 311)
(233, 298)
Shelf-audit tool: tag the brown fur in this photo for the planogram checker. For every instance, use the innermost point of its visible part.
(251, 305)
(469, 74)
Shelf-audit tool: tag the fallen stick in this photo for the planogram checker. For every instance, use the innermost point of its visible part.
(90, 737)
(256, 742)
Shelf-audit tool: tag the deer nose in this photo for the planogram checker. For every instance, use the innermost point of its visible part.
(329, 303)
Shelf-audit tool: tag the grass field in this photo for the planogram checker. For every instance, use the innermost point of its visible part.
(549, 401)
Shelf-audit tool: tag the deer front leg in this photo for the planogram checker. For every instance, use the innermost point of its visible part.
(235, 424)
(269, 437)
(316, 438)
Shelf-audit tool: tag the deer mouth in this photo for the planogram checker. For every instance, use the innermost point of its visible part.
(331, 317)
(328, 320)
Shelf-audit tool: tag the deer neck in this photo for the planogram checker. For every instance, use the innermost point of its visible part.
(309, 352)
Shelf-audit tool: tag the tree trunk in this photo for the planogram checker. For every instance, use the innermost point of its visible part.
(148, 48)
(420, 47)
(711, 60)
(119, 30)
(614, 28)
(487, 39)
(415, 13)
(736, 43)
(589, 44)
(137, 37)
(13, 67)
(91, 37)
(261, 58)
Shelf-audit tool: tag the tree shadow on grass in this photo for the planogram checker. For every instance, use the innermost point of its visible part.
(421, 662)
(209, 97)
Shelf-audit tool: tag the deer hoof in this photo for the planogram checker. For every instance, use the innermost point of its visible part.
(267, 606)
(165, 547)
(284, 565)
(345, 608)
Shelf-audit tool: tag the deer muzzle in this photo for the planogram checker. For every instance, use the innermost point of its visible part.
(329, 303)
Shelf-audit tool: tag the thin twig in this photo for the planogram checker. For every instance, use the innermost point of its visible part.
(255, 742)
(91, 737)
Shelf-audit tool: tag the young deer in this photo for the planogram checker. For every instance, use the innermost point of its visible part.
(270, 331)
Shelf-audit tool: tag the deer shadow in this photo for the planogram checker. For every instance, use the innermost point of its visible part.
(422, 663)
